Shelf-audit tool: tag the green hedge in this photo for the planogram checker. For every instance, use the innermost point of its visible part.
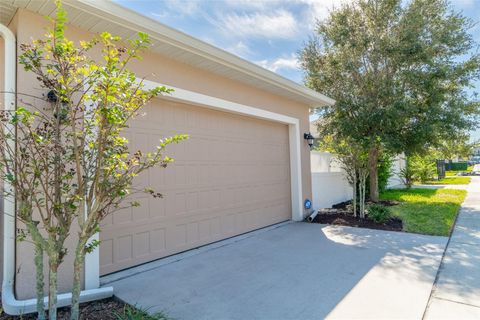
(456, 166)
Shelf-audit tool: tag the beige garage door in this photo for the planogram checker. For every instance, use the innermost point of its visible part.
(230, 177)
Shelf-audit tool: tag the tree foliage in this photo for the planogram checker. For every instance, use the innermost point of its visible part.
(71, 164)
(453, 147)
(399, 72)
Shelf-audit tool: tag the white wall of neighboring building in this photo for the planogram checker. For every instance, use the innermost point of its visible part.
(329, 185)
(398, 164)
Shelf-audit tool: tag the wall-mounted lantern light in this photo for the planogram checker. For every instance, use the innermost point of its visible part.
(51, 96)
(309, 138)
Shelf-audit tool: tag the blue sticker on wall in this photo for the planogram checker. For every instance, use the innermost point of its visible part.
(307, 204)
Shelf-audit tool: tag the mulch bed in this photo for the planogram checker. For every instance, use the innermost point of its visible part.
(341, 214)
(106, 309)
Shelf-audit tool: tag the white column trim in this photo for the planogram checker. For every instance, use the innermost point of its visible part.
(91, 266)
(206, 101)
(10, 79)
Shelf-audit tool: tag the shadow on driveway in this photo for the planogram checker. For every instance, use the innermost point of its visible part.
(295, 271)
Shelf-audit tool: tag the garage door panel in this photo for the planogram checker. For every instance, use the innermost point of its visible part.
(230, 177)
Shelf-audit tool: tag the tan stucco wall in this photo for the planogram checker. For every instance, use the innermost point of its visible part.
(170, 72)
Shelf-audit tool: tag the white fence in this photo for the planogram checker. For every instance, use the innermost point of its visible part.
(329, 185)
(398, 164)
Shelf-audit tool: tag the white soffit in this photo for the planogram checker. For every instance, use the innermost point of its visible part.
(104, 15)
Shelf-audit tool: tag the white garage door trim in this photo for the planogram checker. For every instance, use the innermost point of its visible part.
(92, 260)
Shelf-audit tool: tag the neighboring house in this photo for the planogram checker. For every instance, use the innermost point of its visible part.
(245, 166)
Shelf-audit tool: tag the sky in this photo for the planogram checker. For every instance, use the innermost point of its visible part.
(266, 32)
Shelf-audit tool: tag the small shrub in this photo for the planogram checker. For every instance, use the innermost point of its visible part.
(379, 213)
(384, 171)
(138, 313)
(407, 175)
(424, 169)
(456, 166)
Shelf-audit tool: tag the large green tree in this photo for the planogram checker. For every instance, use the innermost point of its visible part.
(399, 73)
(456, 146)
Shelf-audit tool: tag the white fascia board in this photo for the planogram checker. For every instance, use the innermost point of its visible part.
(199, 99)
(295, 139)
(117, 14)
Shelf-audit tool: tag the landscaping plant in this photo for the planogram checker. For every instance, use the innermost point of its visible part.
(423, 168)
(384, 171)
(68, 163)
(379, 213)
(407, 175)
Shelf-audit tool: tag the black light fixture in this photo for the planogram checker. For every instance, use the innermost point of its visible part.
(52, 96)
(308, 136)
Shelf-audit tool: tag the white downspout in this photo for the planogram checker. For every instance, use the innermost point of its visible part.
(10, 304)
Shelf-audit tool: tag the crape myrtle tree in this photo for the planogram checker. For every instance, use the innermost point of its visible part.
(353, 159)
(399, 72)
(68, 164)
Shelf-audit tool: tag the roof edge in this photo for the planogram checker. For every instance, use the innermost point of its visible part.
(116, 13)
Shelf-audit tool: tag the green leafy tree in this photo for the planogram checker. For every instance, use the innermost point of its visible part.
(456, 146)
(398, 72)
(71, 164)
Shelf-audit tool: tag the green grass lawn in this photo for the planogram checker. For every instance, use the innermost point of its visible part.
(426, 211)
(454, 172)
(451, 180)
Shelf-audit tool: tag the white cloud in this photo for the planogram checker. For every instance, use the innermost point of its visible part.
(279, 24)
(250, 4)
(279, 64)
(319, 9)
(239, 49)
(179, 8)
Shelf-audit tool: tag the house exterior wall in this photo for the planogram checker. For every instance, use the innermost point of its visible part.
(163, 70)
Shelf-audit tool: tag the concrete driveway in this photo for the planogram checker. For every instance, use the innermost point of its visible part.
(292, 271)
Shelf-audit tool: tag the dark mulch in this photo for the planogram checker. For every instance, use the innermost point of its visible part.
(106, 309)
(344, 205)
(341, 214)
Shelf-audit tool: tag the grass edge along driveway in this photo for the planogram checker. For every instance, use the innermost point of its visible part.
(426, 211)
(451, 180)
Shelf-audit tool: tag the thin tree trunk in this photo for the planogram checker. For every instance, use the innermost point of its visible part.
(364, 186)
(52, 287)
(40, 281)
(354, 200)
(77, 271)
(38, 261)
(362, 191)
(373, 168)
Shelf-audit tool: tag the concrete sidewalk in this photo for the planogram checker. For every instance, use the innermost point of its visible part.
(456, 294)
